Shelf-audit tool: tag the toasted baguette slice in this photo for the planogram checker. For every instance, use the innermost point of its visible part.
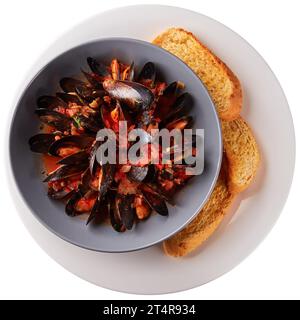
(223, 86)
(242, 153)
(206, 222)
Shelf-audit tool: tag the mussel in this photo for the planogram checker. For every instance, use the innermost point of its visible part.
(157, 203)
(71, 203)
(92, 80)
(101, 208)
(115, 216)
(66, 171)
(133, 94)
(79, 142)
(54, 119)
(41, 142)
(112, 117)
(167, 99)
(50, 102)
(70, 84)
(98, 68)
(75, 158)
(124, 205)
(147, 75)
(181, 105)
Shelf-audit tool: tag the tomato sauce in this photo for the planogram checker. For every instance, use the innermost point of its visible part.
(50, 163)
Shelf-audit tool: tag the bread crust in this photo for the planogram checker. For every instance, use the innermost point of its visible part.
(235, 99)
(205, 223)
(242, 153)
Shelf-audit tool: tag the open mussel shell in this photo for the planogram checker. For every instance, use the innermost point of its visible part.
(100, 208)
(147, 74)
(167, 99)
(70, 84)
(66, 171)
(115, 217)
(50, 102)
(98, 68)
(181, 106)
(41, 142)
(71, 203)
(69, 98)
(73, 200)
(142, 174)
(155, 202)
(126, 210)
(80, 141)
(133, 94)
(54, 119)
(173, 88)
(106, 116)
(75, 158)
(157, 190)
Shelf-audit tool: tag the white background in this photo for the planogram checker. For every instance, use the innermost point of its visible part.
(28, 28)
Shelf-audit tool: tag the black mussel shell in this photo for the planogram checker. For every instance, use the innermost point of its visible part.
(66, 171)
(41, 142)
(50, 102)
(80, 141)
(156, 203)
(148, 74)
(54, 119)
(98, 67)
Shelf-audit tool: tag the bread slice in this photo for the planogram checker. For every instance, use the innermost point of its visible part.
(223, 86)
(205, 223)
(242, 153)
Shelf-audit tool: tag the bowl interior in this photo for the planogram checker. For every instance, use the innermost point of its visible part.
(27, 166)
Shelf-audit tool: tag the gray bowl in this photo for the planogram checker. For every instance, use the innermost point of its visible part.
(26, 166)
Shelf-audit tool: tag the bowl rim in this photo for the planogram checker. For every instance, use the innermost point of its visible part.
(41, 70)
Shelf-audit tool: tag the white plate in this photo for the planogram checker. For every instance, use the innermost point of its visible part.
(255, 211)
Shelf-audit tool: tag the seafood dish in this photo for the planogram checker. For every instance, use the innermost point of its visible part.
(122, 193)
